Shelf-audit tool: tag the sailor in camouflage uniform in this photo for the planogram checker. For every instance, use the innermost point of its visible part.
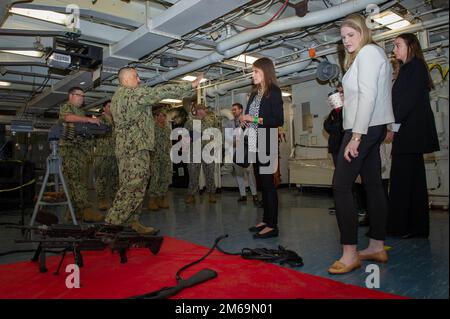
(75, 156)
(161, 165)
(207, 121)
(105, 164)
(134, 128)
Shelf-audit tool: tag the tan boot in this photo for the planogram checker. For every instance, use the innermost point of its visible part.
(68, 216)
(212, 199)
(190, 199)
(143, 230)
(103, 204)
(92, 216)
(163, 202)
(153, 204)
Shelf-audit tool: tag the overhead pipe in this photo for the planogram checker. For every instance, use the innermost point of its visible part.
(198, 64)
(282, 25)
(223, 88)
(232, 46)
(280, 71)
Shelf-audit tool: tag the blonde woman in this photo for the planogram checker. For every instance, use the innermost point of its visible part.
(367, 110)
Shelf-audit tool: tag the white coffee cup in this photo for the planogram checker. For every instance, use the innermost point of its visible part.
(335, 100)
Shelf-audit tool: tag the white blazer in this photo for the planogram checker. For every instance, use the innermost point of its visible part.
(368, 90)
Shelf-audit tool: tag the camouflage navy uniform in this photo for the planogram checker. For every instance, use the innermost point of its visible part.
(134, 128)
(194, 168)
(161, 165)
(75, 156)
(105, 163)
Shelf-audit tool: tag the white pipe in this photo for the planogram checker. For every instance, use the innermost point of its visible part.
(281, 71)
(282, 25)
(198, 64)
(235, 45)
(223, 88)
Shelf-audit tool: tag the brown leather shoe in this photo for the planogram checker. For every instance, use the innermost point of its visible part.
(152, 204)
(190, 199)
(92, 216)
(163, 202)
(339, 268)
(381, 256)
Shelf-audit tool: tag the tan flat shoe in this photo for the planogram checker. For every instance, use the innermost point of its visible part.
(339, 268)
(381, 256)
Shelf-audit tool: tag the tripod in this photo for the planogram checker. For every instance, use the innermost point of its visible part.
(54, 168)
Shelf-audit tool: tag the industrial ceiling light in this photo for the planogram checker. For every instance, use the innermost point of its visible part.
(49, 16)
(171, 101)
(244, 58)
(391, 20)
(285, 94)
(327, 71)
(191, 78)
(31, 53)
(3, 83)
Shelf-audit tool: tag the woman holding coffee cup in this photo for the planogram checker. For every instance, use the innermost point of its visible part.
(367, 111)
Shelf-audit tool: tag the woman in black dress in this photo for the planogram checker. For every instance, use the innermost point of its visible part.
(408, 197)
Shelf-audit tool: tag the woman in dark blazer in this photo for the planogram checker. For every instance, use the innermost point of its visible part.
(264, 111)
(408, 197)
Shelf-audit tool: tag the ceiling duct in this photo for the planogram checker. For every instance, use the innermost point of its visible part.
(244, 38)
(182, 18)
(280, 71)
(282, 25)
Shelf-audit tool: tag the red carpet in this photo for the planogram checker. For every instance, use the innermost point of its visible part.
(104, 277)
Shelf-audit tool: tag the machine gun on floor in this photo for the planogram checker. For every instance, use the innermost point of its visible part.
(76, 238)
(73, 231)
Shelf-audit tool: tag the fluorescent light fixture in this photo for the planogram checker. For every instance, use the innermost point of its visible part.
(3, 83)
(285, 94)
(45, 15)
(391, 20)
(398, 25)
(191, 78)
(171, 101)
(32, 53)
(244, 58)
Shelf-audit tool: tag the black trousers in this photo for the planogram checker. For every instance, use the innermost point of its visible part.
(269, 195)
(357, 189)
(408, 197)
(368, 165)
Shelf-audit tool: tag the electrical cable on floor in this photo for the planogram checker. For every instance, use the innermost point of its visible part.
(280, 255)
(200, 277)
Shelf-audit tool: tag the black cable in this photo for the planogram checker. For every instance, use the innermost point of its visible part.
(201, 276)
(216, 242)
(281, 256)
